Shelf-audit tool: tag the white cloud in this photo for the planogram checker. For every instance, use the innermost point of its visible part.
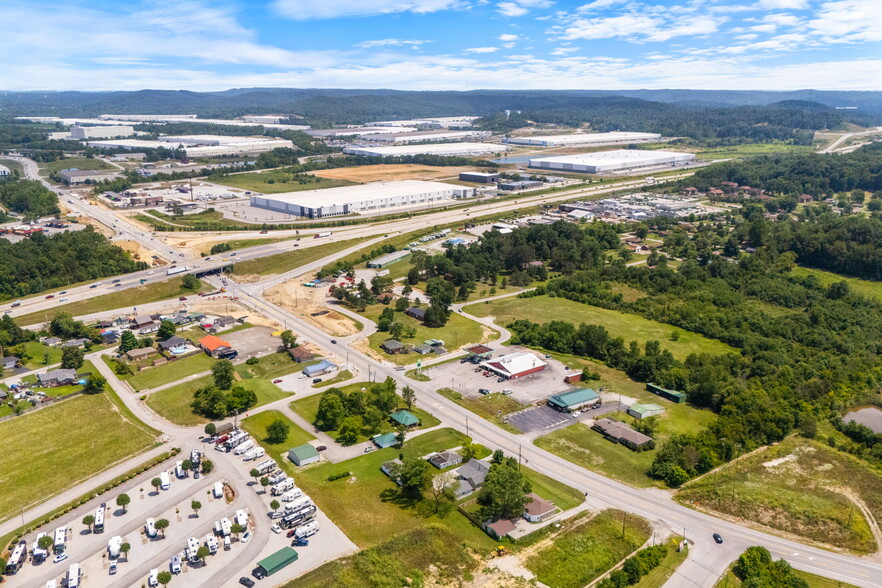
(649, 26)
(521, 7)
(564, 50)
(600, 5)
(392, 43)
(482, 50)
(783, 4)
(326, 9)
(508, 38)
(849, 21)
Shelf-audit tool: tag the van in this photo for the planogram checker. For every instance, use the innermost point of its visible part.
(175, 565)
(153, 578)
(228, 543)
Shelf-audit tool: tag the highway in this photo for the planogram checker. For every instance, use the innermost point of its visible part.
(707, 560)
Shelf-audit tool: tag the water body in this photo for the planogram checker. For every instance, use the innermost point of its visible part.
(869, 416)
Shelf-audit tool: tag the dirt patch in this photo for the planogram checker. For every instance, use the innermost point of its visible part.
(387, 172)
(364, 346)
(294, 297)
(224, 306)
(138, 252)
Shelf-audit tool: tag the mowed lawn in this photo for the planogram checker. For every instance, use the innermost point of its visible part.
(54, 448)
(867, 288)
(585, 551)
(288, 260)
(276, 181)
(173, 403)
(730, 580)
(457, 332)
(543, 309)
(257, 424)
(153, 377)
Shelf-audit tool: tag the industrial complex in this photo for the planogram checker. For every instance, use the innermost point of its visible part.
(200, 145)
(101, 132)
(366, 198)
(612, 161)
(442, 149)
(584, 139)
(419, 136)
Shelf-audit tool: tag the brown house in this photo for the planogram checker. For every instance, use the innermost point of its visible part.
(301, 354)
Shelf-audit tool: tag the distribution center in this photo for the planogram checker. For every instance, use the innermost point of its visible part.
(374, 197)
(584, 139)
(612, 161)
(442, 149)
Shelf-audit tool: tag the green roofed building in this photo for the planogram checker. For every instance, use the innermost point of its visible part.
(385, 440)
(303, 455)
(404, 418)
(671, 395)
(574, 400)
(278, 560)
(642, 411)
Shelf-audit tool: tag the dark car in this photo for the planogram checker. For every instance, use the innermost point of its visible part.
(718, 538)
(291, 533)
(246, 581)
(316, 380)
(259, 573)
(321, 448)
(50, 296)
(334, 341)
(182, 298)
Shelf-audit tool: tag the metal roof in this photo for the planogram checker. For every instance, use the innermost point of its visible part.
(573, 397)
(405, 418)
(278, 560)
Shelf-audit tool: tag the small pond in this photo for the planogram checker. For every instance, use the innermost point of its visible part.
(869, 416)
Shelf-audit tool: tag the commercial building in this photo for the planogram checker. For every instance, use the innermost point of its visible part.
(149, 117)
(388, 259)
(584, 139)
(85, 176)
(450, 122)
(200, 145)
(366, 198)
(441, 149)
(515, 365)
(278, 560)
(419, 136)
(322, 367)
(619, 432)
(357, 131)
(303, 455)
(574, 400)
(479, 177)
(645, 410)
(102, 132)
(612, 161)
(215, 346)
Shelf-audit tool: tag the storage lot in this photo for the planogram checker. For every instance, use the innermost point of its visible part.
(253, 341)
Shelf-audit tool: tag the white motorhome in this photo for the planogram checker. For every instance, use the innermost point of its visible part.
(211, 543)
(179, 469)
(226, 526)
(98, 527)
(60, 540)
(243, 447)
(266, 466)
(277, 477)
(38, 553)
(150, 528)
(192, 549)
(254, 453)
(298, 503)
(17, 559)
(282, 487)
(218, 491)
(292, 495)
(241, 518)
(307, 530)
(165, 481)
(113, 546)
(73, 576)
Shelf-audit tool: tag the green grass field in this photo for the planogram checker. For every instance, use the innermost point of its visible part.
(660, 575)
(867, 288)
(236, 244)
(12, 165)
(752, 150)
(491, 407)
(307, 407)
(160, 221)
(73, 163)
(585, 551)
(798, 486)
(124, 299)
(283, 262)
(542, 309)
(276, 181)
(457, 332)
(153, 377)
(270, 367)
(61, 446)
(257, 424)
(341, 376)
(174, 403)
(730, 580)
(36, 353)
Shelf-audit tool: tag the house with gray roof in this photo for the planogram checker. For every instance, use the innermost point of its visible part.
(471, 476)
(59, 377)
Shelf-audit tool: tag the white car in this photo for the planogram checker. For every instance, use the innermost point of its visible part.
(59, 558)
(246, 536)
(276, 529)
(64, 299)
(576, 414)
(150, 273)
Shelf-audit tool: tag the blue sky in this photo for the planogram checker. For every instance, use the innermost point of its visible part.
(442, 44)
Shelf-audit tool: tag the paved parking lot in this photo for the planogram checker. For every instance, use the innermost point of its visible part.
(537, 418)
(253, 341)
(463, 378)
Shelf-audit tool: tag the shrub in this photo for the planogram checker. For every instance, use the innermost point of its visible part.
(339, 476)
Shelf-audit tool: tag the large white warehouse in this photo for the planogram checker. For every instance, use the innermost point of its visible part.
(102, 132)
(443, 149)
(612, 161)
(197, 146)
(420, 136)
(365, 198)
(584, 139)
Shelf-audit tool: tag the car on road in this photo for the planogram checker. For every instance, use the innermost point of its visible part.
(233, 254)
(258, 573)
(484, 391)
(195, 474)
(718, 538)
(369, 448)
(59, 558)
(246, 581)
(276, 529)
(277, 381)
(296, 244)
(246, 536)
(182, 298)
(114, 281)
(117, 285)
(316, 380)
(63, 292)
(150, 273)
(50, 296)
(63, 299)
(334, 341)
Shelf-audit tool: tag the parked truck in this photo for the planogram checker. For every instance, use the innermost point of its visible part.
(320, 235)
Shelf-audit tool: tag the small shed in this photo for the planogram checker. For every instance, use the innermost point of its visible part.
(423, 349)
(303, 455)
(392, 469)
(405, 418)
(642, 411)
(385, 440)
(322, 367)
(499, 529)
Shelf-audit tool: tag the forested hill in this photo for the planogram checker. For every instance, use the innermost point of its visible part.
(814, 174)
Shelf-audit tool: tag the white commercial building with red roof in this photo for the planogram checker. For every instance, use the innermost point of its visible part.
(516, 365)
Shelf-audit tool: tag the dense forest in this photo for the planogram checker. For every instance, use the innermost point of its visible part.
(814, 174)
(29, 198)
(41, 262)
(806, 361)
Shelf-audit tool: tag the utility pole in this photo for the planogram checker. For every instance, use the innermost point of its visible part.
(467, 427)
(519, 457)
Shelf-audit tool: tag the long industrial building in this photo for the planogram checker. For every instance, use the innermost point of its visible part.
(443, 149)
(420, 136)
(200, 146)
(365, 198)
(357, 131)
(102, 132)
(612, 161)
(584, 139)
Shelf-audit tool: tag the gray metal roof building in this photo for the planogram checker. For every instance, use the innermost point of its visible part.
(611, 161)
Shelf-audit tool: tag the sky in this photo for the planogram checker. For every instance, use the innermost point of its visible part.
(205, 45)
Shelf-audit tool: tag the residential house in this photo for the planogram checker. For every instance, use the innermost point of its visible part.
(109, 337)
(74, 342)
(216, 347)
(174, 344)
(445, 459)
(50, 341)
(404, 418)
(619, 432)
(471, 476)
(322, 367)
(9, 362)
(499, 529)
(423, 349)
(301, 354)
(54, 378)
(140, 353)
(392, 469)
(223, 322)
(141, 320)
(385, 297)
(417, 313)
(148, 328)
(538, 509)
(392, 346)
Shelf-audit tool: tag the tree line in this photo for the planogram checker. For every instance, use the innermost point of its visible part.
(29, 198)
